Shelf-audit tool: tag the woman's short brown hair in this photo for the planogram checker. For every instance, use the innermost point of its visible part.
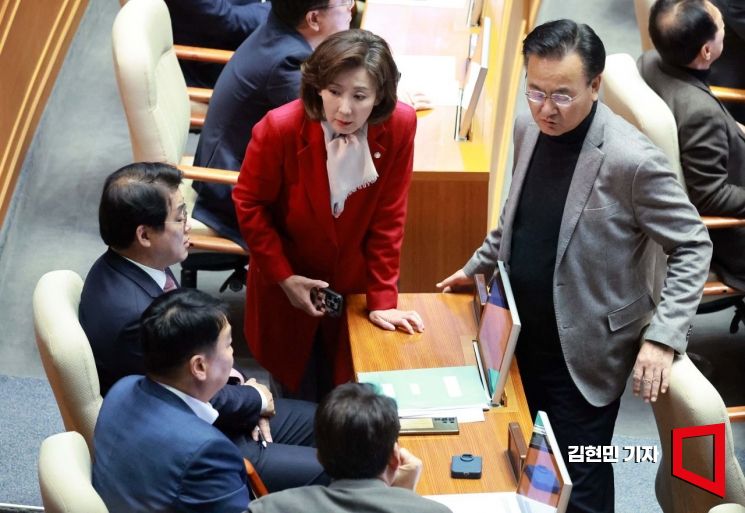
(344, 51)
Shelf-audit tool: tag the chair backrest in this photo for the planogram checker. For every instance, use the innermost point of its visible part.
(628, 95)
(692, 401)
(642, 8)
(151, 84)
(65, 351)
(65, 476)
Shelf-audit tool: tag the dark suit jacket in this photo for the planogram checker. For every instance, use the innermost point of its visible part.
(712, 155)
(623, 201)
(115, 294)
(728, 70)
(263, 74)
(284, 208)
(213, 24)
(347, 496)
(153, 454)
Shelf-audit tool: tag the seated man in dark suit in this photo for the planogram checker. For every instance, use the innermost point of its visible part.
(263, 74)
(223, 24)
(143, 220)
(728, 70)
(358, 446)
(155, 447)
(688, 39)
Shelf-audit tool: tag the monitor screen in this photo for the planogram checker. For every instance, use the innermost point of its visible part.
(544, 480)
(498, 332)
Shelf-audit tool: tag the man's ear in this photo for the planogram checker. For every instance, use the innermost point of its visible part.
(198, 367)
(595, 86)
(706, 51)
(142, 236)
(311, 20)
(395, 460)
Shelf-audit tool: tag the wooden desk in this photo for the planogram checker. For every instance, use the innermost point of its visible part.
(448, 200)
(449, 320)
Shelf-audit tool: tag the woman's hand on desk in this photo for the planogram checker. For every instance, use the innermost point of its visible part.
(297, 288)
(457, 278)
(407, 320)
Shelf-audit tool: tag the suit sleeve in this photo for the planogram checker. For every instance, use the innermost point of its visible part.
(221, 19)
(258, 188)
(667, 217)
(386, 230)
(239, 407)
(704, 152)
(214, 480)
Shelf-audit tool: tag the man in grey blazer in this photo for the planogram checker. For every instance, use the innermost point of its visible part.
(357, 439)
(688, 37)
(590, 205)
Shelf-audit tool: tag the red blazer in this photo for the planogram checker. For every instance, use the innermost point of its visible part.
(283, 205)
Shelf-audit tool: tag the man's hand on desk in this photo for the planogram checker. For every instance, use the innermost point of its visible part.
(409, 470)
(457, 278)
(408, 320)
(652, 370)
(416, 99)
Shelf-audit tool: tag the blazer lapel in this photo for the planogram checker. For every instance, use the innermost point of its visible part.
(312, 166)
(522, 161)
(585, 173)
(375, 138)
(134, 273)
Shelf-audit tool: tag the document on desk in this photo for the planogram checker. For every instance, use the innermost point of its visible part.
(434, 76)
(433, 391)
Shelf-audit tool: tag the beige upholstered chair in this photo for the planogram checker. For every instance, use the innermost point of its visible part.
(65, 476)
(728, 508)
(156, 103)
(65, 351)
(693, 401)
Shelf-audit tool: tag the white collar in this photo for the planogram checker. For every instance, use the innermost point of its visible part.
(203, 410)
(156, 274)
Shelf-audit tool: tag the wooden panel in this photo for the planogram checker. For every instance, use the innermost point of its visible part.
(448, 319)
(446, 222)
(33, 42)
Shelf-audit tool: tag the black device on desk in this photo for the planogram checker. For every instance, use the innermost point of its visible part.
(465, 466)
(429, 426)
(327, 301)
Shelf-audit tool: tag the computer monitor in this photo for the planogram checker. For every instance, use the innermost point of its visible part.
(498, 332)
(476, 69)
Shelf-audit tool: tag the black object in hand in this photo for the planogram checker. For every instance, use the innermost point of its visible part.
(327, 301)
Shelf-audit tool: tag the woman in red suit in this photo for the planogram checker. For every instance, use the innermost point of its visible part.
(321, 201)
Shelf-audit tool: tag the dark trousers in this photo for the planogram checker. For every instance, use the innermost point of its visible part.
(290, 460)
(549, 387)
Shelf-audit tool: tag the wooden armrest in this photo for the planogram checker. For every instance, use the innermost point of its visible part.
(206, 174)
(714, 222)
(257, 485)
(736, 413)
(717, 288)
(200, 94)
(196, 53)
(218, 244)
(728, 94)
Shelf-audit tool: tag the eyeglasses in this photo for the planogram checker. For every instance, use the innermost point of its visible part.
(560, 100)
(343, 3)
(184, 218)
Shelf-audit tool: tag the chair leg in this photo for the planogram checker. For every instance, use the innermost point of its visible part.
(738, 318)
(189, 278)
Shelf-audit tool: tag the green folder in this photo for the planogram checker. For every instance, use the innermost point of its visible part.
(434, 388)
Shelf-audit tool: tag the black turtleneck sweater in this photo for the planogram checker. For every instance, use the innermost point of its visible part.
(536, 233)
